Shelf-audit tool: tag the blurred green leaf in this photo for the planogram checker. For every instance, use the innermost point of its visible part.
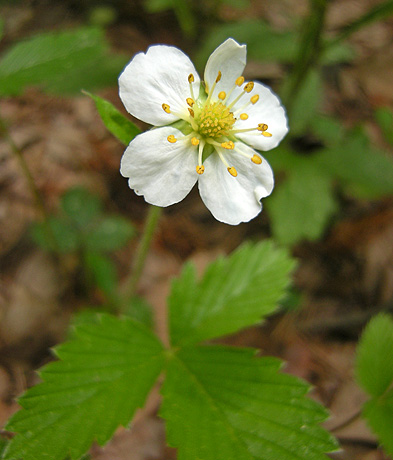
(337, 53)
(374, 372)
(301, 206)
(156, 6)
(1, 28)
(81, 206)
(120, 126)
(263, 42)
(384, 117)
(59, 61)
(306, 104)
(139, 310)
(364, 170)
(109, 233)
(103, 272)
(327, 129)
(65, 236)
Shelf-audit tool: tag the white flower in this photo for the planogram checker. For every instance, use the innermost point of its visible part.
(205, 133)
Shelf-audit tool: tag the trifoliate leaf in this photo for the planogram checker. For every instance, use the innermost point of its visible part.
(60, 236)
(225, 403)
(364, 170)
(374, 364)
(120, 126)
(109, 233)
(103, 376)
(374, 371)
(81, 206)
(302, 205)
(59, 61)
(102, 271)
(235, 292)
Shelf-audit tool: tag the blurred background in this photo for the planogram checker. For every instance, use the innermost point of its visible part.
(69, 223)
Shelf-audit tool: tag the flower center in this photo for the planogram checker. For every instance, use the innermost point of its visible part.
(215, 120)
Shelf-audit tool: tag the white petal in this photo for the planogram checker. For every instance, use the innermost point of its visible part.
(235, 199)
(267, 110)
(162, 172)
(157, 77)
(230, 59)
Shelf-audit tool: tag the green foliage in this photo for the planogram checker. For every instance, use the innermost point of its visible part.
(219, 402)
(104, 375)
(237, 406)
(60, 62)
(374, 369)
(120, 126)
(384, 117)
(234, 293)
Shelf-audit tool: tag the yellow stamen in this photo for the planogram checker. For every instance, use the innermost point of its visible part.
(262, 127)
(249, 87)
(191, 112)
(190, 101)
(218, 76)
(266, 134)
(232, 171)
(172, 139)
(256, 159)
(222, 95)
(191, 78)
(194, 141)
(166, 108)
(243, 116)
(254, 99)
(228, 145)
(239, 81)
(200, 169)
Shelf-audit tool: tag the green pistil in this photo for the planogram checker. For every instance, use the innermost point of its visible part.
(215, 120)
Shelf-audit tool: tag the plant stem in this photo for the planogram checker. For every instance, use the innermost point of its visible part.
(39, 202)
(309, 50)
(131, 283)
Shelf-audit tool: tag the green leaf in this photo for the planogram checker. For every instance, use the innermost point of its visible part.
(103, 376)
(301, 207)
(81, 206)
(235, 292)
(384, 117)
(66, 238)
(120, 126)
(379, 415)
(59, 61)
(102, 271)
(365, 171)
(374, 372)
(140, 310)
(224, 403)
(374, 364)
(109, 234)
(263, 42)
(337, 53)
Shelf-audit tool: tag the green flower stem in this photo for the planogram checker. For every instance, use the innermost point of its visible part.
(131, 283)
(39, 202)
(309, 50)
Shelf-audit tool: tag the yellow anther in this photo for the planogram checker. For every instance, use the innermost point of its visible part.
(218, 77)
(222, 95)
(191, 78)
(200, 169)
(254, 99)
(172, 139)
(256, 159)
(191, 112)
(262, 127)
(243, 116)
(190, 101)
(239, 81)
(166, 108)
(195, 141)
(266, 134)
(249, 87)
(232, 171)
(228, 145)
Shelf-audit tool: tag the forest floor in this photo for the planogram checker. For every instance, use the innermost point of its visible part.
(344, 278)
